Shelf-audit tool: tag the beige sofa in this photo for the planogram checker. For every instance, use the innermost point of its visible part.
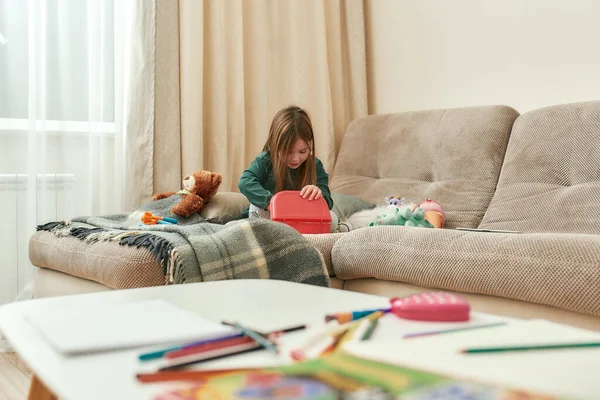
(491, 168)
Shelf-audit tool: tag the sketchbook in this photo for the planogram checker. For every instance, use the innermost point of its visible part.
(112, 326)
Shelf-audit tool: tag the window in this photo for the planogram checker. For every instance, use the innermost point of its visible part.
(74, 40)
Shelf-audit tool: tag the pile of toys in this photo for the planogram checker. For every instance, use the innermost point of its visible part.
(427, 214)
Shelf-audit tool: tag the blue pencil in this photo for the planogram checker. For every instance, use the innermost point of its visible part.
(160, 353)
(264, 342)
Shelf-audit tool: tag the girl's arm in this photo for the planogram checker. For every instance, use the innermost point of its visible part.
(323, 183)
(251, 187)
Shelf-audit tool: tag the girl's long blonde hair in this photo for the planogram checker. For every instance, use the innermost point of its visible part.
(289, 125)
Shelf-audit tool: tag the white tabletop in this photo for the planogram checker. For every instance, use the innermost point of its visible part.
(261, 304)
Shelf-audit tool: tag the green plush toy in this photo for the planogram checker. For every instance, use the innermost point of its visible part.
(403, 216)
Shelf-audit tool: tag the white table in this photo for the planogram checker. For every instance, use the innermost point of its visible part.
(262, 304)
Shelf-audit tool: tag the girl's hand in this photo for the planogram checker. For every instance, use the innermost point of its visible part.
(310, 192)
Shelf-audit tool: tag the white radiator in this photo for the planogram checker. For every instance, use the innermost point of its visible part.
(54, 200)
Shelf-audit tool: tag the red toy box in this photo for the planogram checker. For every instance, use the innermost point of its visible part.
(301, 214)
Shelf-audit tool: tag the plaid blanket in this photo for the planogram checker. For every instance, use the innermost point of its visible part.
(197, 250)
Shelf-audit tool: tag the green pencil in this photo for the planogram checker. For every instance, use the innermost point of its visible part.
(476, 350)
(372, 325)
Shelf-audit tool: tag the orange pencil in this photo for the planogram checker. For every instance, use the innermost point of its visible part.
(197, 375)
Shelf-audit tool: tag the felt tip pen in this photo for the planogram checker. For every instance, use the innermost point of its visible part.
(344, 317)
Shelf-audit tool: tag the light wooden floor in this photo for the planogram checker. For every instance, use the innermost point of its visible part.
(15, 377)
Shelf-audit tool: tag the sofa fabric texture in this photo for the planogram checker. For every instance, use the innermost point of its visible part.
(562, 270)
(325, 243)
(117, 267)
(453, 156)
(550, 181)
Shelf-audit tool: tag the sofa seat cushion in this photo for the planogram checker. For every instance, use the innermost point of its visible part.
(452, 156)
(550, 181)
(108, 263)
(561, 270)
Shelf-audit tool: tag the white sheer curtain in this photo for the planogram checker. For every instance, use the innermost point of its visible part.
(64, 86)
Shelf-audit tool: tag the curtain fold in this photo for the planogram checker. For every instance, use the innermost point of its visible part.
(139, 105)
(241, 61)
(167, 131)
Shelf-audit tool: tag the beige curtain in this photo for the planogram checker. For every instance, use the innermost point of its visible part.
(153, 142)
(240, 61)
(167, 172)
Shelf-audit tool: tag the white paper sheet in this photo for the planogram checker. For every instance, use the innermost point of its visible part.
(568, 372)
(101, 327)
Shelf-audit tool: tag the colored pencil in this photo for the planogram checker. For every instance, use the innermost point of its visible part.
(372, 325)
(451, 330)
(352, 315)
(193, 375)
(161, 353)
(260, 339)
(503, 349)
(351, 333)
(213, 355)
(319, 342)
(335, 342)
(208, 347)
(289, 329)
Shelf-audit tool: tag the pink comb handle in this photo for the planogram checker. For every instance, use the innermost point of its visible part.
(432, 306)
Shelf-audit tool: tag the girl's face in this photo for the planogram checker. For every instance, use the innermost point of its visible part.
(298, 154)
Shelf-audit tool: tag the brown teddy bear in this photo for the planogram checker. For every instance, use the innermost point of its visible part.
(199, 188)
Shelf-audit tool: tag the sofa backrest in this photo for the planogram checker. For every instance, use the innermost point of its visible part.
(451, 156)
(550, 180)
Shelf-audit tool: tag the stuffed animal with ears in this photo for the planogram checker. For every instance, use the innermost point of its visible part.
(198, 189)
(403, 216)
(395, 201)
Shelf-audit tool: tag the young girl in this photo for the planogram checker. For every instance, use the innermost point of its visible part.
(287, 162)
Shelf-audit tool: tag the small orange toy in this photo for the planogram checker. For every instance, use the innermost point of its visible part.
(149, 219)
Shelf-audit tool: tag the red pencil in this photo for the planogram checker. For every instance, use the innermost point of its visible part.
(207, 347)
(212, 355)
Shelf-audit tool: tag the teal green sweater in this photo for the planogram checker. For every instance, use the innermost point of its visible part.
(258, 182)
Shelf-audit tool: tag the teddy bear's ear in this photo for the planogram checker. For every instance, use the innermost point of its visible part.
(387, 199)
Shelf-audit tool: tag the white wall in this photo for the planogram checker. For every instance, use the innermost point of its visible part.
(439, 53)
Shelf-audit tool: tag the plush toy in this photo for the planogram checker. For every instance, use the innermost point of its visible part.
(198, 189)
(434, 213)
(395, 201)
(403, 216)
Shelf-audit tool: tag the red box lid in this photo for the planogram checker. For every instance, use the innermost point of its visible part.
(288, 205)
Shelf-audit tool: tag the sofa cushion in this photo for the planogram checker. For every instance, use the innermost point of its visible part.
(225, 206)
(345, 205)
(452, 156)
(561, 270)
(550, 181)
